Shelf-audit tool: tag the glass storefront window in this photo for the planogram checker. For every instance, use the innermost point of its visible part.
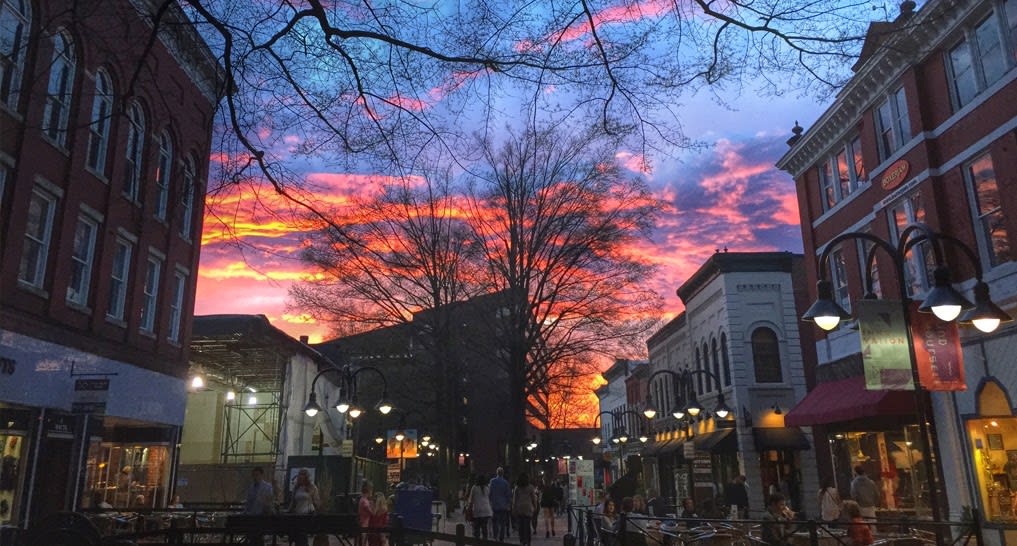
(893, 459)
(126, 476)
(12, 461)
(994, 452)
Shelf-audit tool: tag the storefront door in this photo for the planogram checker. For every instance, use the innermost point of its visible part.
(53, 476)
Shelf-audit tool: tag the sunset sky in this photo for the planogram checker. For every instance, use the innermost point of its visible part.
(728, 195)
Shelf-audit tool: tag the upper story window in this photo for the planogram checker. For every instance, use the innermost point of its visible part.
(716, 360)
(892, 123)
(725, 360)
(58, 92)
(706, 367)
(993, 239)
(38, 230)
(839, 279)
(919, 262)
(15, 23)
(699, 377)
(766, 356)
(150, 294)
(842, 173)
(983, 54)
(187, 199)
(864, 248)
(98, 127)
(133, 155)
(118, 279)
(82, 257)
(162, 175)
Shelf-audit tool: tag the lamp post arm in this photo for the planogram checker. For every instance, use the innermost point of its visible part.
(384, 382)
(914, 234)
(967, 251)
(674, 375)
(341, 371)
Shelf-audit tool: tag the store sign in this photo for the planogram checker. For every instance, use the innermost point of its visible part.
(702, 470)
(895, 174)
(689, 450)
(885, 355)
(60, 426)
(393, 475)
(937, 352)
(90, 396)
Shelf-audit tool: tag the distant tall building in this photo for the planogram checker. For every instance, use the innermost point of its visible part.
(103, 161)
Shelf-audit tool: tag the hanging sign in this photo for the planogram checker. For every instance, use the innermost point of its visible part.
(937, 352)
(885, 354)
(405, 449)
(90, 396)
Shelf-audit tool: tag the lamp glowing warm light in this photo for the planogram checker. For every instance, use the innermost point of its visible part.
(946, 313)
(987, 325)
(231, 396)
(827, 323)
(650, 412)
(355, 412)
(197, 382)
(596, 440)
(253, 400)
(378, 439)
(400, 436)
(678, 414)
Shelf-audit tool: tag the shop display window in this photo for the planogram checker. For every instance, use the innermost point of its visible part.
(126, 476)
(993, 442)
(893, 459)
(12, 461)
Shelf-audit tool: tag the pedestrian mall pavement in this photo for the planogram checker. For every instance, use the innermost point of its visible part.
(560, 527)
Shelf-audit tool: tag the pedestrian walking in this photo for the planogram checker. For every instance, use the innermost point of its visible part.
(524, 506)
(829, 502)
(548, 505)
(303, 501)
(865, 493)
(859, 533)
(365, 508)
(259, 501)
(479, 504)
(500, 495)
(379, 520)
(737, 495)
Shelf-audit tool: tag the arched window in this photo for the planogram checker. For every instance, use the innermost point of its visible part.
(766, 356)
(98, 128)
(162, 174)
(725, 359)
(706, 366)
(58, 92)
(15, 23)
(716, 360)
(133, 155)
(187, 198)
(699, 377)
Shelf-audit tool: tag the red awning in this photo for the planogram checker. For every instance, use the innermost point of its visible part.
(846, 400)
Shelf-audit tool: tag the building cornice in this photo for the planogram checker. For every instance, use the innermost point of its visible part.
(913, 42)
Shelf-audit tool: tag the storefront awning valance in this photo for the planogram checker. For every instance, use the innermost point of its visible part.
(846, 400)
(780, 439)
(717, 441)
(667, 446)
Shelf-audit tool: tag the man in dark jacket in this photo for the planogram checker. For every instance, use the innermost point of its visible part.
(736, 494)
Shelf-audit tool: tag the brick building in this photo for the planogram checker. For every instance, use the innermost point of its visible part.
(103, 161)
(923, 132)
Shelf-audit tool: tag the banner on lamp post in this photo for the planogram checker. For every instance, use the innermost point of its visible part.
(937, 352)
(885, 355)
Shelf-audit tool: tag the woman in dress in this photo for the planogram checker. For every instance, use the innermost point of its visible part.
(524, 506)
(303, 502)
(379, 519)
(829, 502)
(480, 506)
(548, 504)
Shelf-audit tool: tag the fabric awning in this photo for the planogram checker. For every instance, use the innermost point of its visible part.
(664, 446)
(779, 439)
(717, 441)
(846, 400)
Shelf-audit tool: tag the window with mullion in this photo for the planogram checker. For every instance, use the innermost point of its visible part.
(919, 262)
(82, 256)
(15, 23)
(133, 154)
(162, 175)
(993, 236)
(187, 199)
(119, 279)
(990, 50)
(893, 126)
(150, 294)
(98, 128)
(838, 277)
(58, 91)
(177, 305)
(841, 173)
(38, 230)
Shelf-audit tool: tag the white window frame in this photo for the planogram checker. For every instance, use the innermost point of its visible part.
(985, 249)
(916, 264)
(177, 305)
(901, 124)
(78, 295)
(98, 128)
(59, 90)
(120, 280)
(1001, 29)
(829, 173)
(150, 293)
(162, 175)
(863, 246)
(187, 192)
(839, 278)
(12, 62)
(43, 242)
(134, 154)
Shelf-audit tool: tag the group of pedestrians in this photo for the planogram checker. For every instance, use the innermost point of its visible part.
(519, 505)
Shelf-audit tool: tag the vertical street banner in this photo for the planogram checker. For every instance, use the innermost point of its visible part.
(407, 449)
(937, 352)
(885, 354)
(581, 482)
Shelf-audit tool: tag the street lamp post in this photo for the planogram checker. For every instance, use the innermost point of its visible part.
(347, 401)
(942, 300)
(683, 387)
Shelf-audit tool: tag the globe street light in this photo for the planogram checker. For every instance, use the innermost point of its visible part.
(942, 300)
(347, 397)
